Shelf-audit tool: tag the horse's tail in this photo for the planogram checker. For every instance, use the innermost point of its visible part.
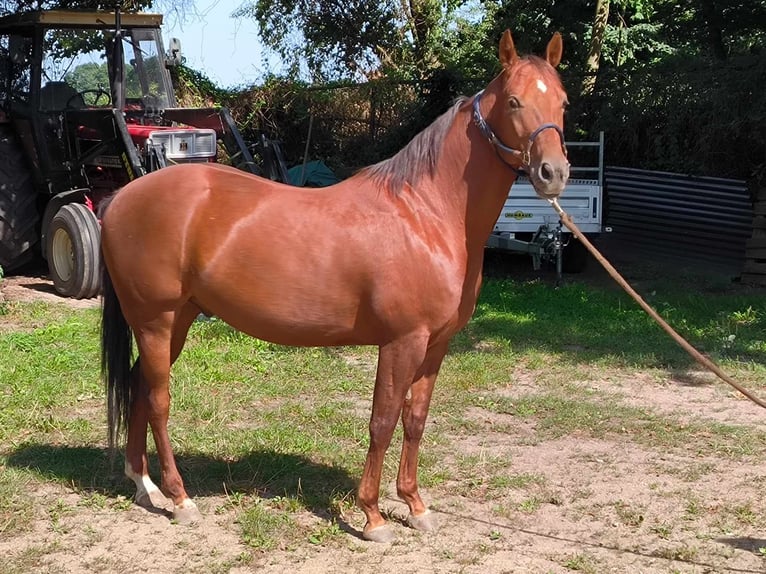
(116, 356)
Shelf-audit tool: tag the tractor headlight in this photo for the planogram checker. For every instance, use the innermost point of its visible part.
(181, 145)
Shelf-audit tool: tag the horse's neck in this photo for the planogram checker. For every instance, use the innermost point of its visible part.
(478, 179)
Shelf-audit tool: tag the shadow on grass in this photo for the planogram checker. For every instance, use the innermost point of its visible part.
(265, 473)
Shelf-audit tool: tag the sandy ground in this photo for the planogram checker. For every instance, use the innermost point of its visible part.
(35, 286)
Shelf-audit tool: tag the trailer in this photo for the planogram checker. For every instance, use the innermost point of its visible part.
(528, 224)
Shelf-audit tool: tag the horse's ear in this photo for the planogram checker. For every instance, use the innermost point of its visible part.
(554, 50)
(508, 55)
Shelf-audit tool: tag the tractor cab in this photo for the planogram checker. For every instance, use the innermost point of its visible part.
(91, 98)
(87, 105)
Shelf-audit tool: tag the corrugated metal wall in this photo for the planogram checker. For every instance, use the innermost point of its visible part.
(700, 218)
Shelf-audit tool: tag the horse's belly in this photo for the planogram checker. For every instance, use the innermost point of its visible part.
(300, 332)
(304, 315)
(280, 316)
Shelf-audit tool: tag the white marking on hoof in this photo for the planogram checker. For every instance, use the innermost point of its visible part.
(148, 494)
(541, 86)
(425, 522)
(379, 534)
(186, 512)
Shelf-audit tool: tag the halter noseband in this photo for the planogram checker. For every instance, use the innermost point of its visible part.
(523, 155)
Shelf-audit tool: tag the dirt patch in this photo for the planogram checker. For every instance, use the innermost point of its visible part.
(35, 286)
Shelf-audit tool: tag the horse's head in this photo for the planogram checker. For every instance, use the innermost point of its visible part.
(527, 116)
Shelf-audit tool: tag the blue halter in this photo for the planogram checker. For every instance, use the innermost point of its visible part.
(523, 155)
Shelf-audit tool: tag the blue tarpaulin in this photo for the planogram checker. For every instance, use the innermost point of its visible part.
(315, 174)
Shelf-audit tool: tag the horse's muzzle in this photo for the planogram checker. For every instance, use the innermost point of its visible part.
(549, 178)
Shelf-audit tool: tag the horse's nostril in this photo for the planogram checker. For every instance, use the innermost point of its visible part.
(546, 172)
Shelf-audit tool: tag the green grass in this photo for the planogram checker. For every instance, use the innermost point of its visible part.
(16, 504)
(286, 429)
(577, 323)
(581, 563)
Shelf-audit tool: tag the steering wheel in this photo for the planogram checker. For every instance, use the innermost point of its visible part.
(98, 93)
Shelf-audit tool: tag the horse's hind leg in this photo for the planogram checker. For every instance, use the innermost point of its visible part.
(148, 494)
(398, 362)
(149, 396)
(414, 416)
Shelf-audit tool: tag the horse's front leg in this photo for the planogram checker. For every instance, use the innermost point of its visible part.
(414, 415)
(397, 363)
(155, 353)
(148, 494)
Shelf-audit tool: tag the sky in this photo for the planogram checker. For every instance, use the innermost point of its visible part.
(224, 49)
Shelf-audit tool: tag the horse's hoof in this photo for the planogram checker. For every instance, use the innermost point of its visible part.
(380, 534)
(425, 522)
(153, 499)
(186, 513)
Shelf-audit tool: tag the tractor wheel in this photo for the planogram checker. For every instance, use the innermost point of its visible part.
(73, 251)
(574, 257)
(18, 203)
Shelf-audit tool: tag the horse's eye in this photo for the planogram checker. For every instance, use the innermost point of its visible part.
(514, 103)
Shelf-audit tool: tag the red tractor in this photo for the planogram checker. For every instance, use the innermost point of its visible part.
(86, 105)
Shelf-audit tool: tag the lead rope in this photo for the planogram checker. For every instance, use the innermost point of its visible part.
(699, 357)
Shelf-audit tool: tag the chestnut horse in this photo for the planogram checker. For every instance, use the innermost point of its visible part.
(393, 259)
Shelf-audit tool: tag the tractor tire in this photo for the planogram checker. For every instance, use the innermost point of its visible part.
(73, 249)
(574, 257)
(18, 203)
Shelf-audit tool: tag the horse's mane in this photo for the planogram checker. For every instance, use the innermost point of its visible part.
(417, 158)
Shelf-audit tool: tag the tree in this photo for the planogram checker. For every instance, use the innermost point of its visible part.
(325, 37)
(719, 28)
(354, 39)
(88, 76)
(15, 6)
(596, 40)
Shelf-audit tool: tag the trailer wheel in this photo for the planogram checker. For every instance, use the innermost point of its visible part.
(73, 251)
(18, 203)
(574, 257)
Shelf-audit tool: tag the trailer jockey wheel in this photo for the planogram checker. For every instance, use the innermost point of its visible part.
(73, 251)
(574, 256)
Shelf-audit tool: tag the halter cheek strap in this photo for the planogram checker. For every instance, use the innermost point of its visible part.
(522, 155)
